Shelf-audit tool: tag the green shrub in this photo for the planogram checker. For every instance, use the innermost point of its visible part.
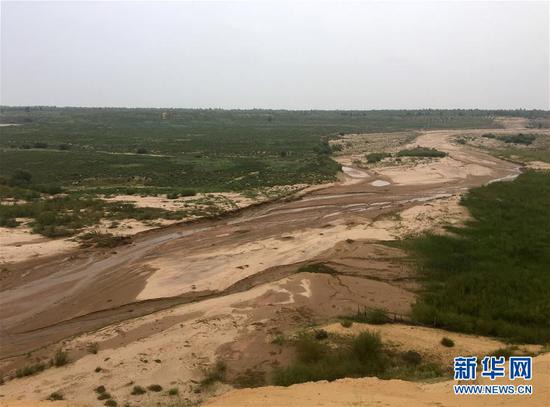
(215, 374)
(278, 340)
(376, 157)
(61, 358)
(520, 138)
(376, 316)
(155, 387)
(412, 357)
(104, 396)
(172, 195)
(317, 268)
(111, 403)
(30, 370)
(92, 348)
(316, 361)
(100, 389)
(55, 396)
(174, 391)
(98, 239)
(448, 342)
(138, 390)
(421, 152)
(321, 334)
(346, 323)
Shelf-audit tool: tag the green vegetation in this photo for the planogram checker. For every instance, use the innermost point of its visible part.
(30, 370)
(56, 396)
(111, 403)
(61, 358)
(376, 316)
(492, 277)
(346, 323)
(519, 138)
(98, 239)
(421, 152)
(215, 374)
(316, 268)
(92, 348)
(104, 396)
(100, 389)
(138, 390)
(278, 340)
(204, 150)
(376, 157)
(174, 391)
(154, 387)
(447, 342)
(363, 355)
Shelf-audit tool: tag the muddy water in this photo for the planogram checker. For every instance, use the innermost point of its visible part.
(50, 293)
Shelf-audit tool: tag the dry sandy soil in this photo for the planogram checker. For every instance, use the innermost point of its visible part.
(164, 308)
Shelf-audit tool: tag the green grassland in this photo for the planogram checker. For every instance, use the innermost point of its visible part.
(206, 150)
(492, 277)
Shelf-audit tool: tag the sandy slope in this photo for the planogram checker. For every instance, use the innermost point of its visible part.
(395, 393)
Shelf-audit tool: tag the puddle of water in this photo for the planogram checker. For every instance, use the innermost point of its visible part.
(379, 183)
(354, 173)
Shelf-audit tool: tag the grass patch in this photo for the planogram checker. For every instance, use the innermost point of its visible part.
(174, 391)
(492, 276)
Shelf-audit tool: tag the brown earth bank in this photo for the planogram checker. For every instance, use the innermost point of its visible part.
(162, 309)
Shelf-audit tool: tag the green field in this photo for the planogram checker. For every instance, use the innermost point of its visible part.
(206, 150)
(492, 277)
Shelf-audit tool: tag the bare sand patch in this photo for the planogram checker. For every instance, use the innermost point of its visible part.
(216, 269)
(19, 244)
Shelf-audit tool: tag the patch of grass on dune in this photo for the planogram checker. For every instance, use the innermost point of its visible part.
(491, 277)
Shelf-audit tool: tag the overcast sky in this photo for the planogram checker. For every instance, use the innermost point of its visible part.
(274, 54)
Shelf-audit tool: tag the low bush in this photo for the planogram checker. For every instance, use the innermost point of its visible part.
(215, 374)
(56, 396)
(520, 138)
(154, 387)
(376, 157)
(30, 370)
(317, 361)
(346, 323)
(376, 316)
(448, 342)
(321, 334)
(138, 390)
(93, 348)
(421, 152)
